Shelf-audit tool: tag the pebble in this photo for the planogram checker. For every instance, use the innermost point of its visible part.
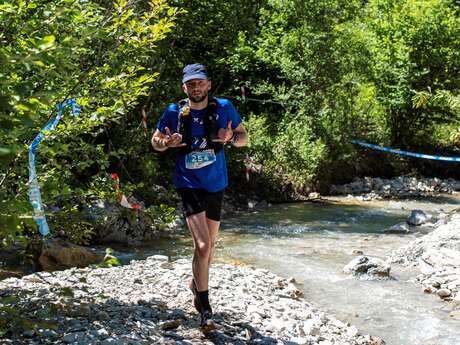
(443, 293)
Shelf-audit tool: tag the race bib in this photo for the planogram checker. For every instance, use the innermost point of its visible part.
(199, 159)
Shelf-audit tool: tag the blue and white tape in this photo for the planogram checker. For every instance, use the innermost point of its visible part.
(406, 153)
(34, 189)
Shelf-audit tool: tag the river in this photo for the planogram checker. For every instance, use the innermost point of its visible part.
(312, 242)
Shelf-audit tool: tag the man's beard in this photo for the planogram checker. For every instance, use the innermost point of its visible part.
(198, 98)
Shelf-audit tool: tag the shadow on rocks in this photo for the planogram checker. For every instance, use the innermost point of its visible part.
(232, 329)
(51, 313)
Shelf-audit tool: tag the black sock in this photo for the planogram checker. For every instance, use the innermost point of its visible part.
(204, 299)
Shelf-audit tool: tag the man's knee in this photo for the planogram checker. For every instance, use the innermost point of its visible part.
(203, 248)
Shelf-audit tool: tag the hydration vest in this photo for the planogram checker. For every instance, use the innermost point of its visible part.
(211, 128)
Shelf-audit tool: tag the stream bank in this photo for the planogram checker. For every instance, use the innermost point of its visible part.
(437, 256)
(148, 302)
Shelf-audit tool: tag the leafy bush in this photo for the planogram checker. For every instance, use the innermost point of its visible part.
(97, 52)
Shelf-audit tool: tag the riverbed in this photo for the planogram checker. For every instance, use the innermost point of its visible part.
(312, 242)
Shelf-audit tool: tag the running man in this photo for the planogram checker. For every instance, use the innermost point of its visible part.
(198, 129)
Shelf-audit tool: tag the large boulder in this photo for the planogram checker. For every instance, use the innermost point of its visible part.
(57, 254)
(368, 268)
(117, 224)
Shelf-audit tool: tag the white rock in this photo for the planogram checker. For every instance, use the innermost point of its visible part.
(443, 293)
(300, 340)
(310, 327)
(158, 258)
(352, 331)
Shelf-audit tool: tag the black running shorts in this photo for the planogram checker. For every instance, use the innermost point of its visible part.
(199, 200)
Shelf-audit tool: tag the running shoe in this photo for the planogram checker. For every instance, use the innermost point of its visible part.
(207, 324)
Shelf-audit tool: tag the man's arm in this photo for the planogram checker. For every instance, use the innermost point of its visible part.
(240, 136)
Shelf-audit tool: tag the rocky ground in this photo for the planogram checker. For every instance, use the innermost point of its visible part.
(437, 255)
(369, 188)
(148, 302)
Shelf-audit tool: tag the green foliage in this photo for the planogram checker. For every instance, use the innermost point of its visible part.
(80, 230)
(441, 99)
(301, 56)
(415, 47)
(109, 259)
(96, 52)
(13, 221)
(161, 215)
(347, 70)
(205, 31)
(448, 133)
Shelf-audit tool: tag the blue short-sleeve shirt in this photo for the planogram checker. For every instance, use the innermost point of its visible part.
(212, 177)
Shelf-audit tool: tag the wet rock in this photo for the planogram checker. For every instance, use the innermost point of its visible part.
(314, 195)
(293, 291)
(418, 217)
(257, 205)
(443, 293)
(400, 228)
(8, 274)
(118, 224)
(368, 267)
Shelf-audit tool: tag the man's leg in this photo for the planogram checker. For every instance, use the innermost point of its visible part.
(202, 239)
(213, 227)
(213, 213)
(198, 227)
(203, 226)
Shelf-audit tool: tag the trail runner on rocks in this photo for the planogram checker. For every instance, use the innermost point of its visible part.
(197, 129)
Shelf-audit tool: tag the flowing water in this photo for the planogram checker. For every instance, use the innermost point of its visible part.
(312, 242)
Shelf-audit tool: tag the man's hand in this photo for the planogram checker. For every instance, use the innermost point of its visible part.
(174, 140)
(225, 134)
(161, 141)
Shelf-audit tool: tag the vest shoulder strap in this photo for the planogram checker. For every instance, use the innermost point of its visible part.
(184, 126)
